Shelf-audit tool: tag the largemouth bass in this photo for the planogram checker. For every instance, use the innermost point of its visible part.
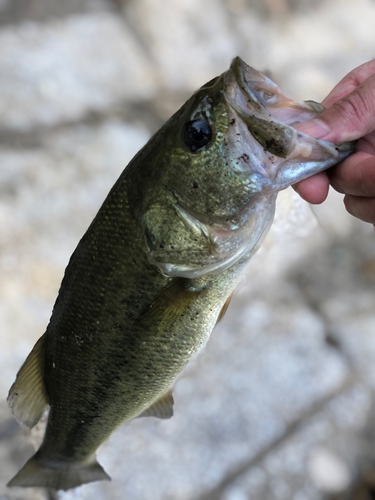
(156, 268)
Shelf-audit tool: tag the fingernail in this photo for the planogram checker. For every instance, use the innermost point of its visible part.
(315, 128)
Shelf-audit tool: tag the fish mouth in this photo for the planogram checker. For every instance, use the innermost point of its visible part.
(247, 92)
(270, 117)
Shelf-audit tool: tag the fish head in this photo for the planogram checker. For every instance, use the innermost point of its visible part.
(215, 169)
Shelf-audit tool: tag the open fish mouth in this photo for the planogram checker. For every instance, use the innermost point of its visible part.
(270, 117)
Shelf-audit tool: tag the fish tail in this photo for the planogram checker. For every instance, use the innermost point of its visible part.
(57, 475)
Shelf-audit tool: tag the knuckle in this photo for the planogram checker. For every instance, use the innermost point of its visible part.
(362, 208)
(353, 109)
(336, 184)
(348, 202)
(364, 187)
(364, 71)
(335, 178)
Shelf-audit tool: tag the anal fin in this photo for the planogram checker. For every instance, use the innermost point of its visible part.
(162, 408)
(27, 396)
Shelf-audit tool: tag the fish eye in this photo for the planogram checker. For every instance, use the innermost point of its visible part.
(197, 134)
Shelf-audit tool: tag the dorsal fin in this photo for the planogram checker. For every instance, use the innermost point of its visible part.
(27, 396)
(162, 408)
(224, 309)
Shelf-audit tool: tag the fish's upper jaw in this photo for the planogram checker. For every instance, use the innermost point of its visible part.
(249, 101)
(257, 88)
(265, 98)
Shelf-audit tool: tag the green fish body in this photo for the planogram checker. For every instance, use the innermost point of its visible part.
(156, 268)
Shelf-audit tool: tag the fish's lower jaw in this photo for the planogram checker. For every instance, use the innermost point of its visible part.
(59, 476)
(310, 156)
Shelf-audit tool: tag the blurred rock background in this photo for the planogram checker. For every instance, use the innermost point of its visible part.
(280, 404)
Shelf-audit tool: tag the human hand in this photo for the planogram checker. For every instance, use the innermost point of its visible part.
(350, 115)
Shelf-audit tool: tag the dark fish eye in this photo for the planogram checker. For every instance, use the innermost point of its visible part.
(197, 134)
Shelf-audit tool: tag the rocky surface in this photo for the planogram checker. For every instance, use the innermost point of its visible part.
(280, 403)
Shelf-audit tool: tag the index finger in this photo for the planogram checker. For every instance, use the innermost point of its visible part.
(350, 82)
(348, 119)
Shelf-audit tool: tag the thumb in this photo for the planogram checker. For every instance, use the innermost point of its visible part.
(349, 118)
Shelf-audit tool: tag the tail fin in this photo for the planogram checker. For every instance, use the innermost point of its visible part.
(60, 476)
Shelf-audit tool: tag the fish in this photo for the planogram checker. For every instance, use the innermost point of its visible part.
(157, 267)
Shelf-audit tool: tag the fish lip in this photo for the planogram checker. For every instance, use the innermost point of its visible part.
(272, 134)
(239, 69)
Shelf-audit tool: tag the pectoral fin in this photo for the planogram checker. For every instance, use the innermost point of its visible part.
(162, 408)
(224, 309)
(169, 306)
(27, 396)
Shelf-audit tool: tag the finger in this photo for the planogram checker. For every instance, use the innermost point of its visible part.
(347, 119)
(355, 175)
(347, 85)
(362, 208)
(314, 189)
(350, 82)
(367, 144)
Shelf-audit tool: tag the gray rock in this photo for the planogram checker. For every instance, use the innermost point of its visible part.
(62, 70)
